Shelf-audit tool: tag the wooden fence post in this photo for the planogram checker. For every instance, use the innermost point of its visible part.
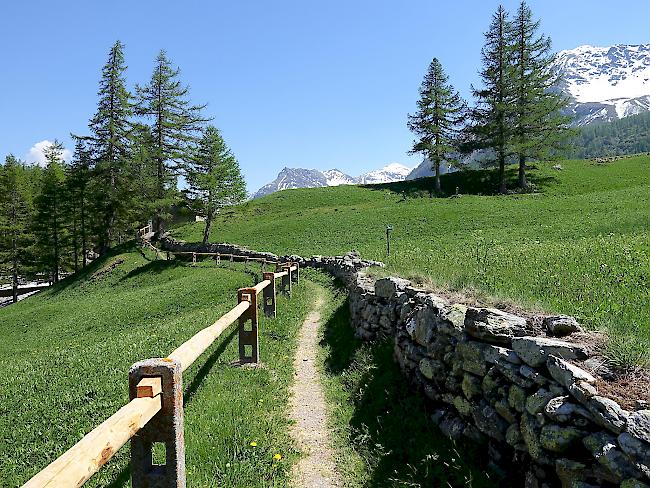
(269, 295)
(248, 338)
(285, 282)
(193, 258)
(166, 427)
(296, 273)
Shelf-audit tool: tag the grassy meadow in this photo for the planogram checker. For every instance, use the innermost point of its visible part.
(579, 244)
(65, 355)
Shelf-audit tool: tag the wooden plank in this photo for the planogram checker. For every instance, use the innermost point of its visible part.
(261, 285)
(85, 458)
(187, 352)
(281, 274)
(149, 387)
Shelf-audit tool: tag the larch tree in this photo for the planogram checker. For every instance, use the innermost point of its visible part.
(78, 191)
(539, 127)
(110, 143)
(50, 218)
(214, 178)
(494, 111)
(15, 221)
(175, 126)
(438, 120)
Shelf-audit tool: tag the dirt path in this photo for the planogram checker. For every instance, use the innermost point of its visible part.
(317, 468)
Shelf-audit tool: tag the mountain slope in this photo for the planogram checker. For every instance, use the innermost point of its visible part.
(605, 83)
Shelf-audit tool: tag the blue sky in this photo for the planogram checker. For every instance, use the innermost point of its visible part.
(290, 83)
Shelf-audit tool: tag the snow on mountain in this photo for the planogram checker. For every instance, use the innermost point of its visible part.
(389, 173)
(312, 178)
(605, 83)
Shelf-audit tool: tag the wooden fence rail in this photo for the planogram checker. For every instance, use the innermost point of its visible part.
(155, 412)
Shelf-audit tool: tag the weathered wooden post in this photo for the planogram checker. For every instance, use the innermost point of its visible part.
(248, 338)
(166, 427)
(193, 258)
(270, 309)
(285, 282)
(296, 273)
(169, 257)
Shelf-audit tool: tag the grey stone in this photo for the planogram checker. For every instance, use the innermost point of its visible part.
(517, 398)
(431, 368)
(582, 391)
(566, 373)
(607, 413)
(490, 422)
(452, 427)
(451, 320)
(434, 302)
(632, 483)
(532, 374)
(386, 287)
(561, 325)
(638, 424)
(503, 409)
(561, 409)
(535, 350)
(571, 473)
(513, 435)
(530, 434)
(511, 372)
(557, 438)
(492, 325)
(637, 450)
(471, 386)
(603, 448)
(463, 406)
(536, 402)
(497, 355)
(424, 326)
(471, 354)
(474, 434)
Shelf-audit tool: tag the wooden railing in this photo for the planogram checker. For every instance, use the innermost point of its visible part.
(155, 411)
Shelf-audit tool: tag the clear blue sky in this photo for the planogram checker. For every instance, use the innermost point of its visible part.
(290, 83)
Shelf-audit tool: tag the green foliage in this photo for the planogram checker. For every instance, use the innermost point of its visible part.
(577, 246)
(16, 213)
(630, 135)
(437, 123)
(65, 354)
(214, 178)
(50, 219)
(176, 125)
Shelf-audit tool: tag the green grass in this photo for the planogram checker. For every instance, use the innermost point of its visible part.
(579, 245)
(381, 428)
(65, 354)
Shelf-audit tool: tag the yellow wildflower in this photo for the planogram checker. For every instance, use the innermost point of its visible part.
(253, 444)
(277, 457)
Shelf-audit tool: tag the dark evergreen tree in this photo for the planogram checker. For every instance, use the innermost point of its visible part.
(175, 127)
(79, 200)
(214, 178)
(438, 121)
(16, 210)
(144, 167)
(539, 127)
(110, 144)
(495, 108)
(50, 218)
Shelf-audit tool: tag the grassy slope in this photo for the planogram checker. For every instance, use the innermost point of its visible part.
(64, 358)
(578, 246)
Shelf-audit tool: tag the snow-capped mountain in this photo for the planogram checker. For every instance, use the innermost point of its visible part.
(605, 83)
(313, 178)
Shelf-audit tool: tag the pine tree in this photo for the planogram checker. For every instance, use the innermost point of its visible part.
(176, 125)
(78, 192)
(15, 221)
(214, 178)
(494, 111)
(110, 144)
(437, 123)
(539, 127)
(50, 220)
(144, 168)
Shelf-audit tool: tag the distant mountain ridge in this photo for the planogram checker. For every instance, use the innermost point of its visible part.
(290, 178)
(605, 83)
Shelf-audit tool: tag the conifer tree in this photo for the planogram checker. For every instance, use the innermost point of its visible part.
(16, 210)
(175, 127)
(50, 221)
(494, 111)
(538, 125)
(110, 144)
(214, 178)
(437, 123)
(79, 199)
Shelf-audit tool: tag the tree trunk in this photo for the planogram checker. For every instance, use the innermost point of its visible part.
(84, 251)
(14, 279)
(438, 186)
(502, 172)
(523, 182)
(206, 231)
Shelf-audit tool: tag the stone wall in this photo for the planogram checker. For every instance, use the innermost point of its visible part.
(517, 388)
(526, 390)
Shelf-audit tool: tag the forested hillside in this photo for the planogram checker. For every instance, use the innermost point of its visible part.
(630, 135)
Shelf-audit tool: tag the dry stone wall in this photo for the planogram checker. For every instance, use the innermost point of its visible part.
(526, 392)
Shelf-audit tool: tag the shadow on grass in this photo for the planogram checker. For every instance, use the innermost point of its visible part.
(122, 479)
(390, 424)
(468, 182)
(152, 267)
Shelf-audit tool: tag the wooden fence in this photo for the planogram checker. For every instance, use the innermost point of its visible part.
(155, 411)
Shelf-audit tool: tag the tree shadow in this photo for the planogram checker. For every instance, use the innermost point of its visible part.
(390, 426)
(152, 267)
(464, 182)
(122, 479)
